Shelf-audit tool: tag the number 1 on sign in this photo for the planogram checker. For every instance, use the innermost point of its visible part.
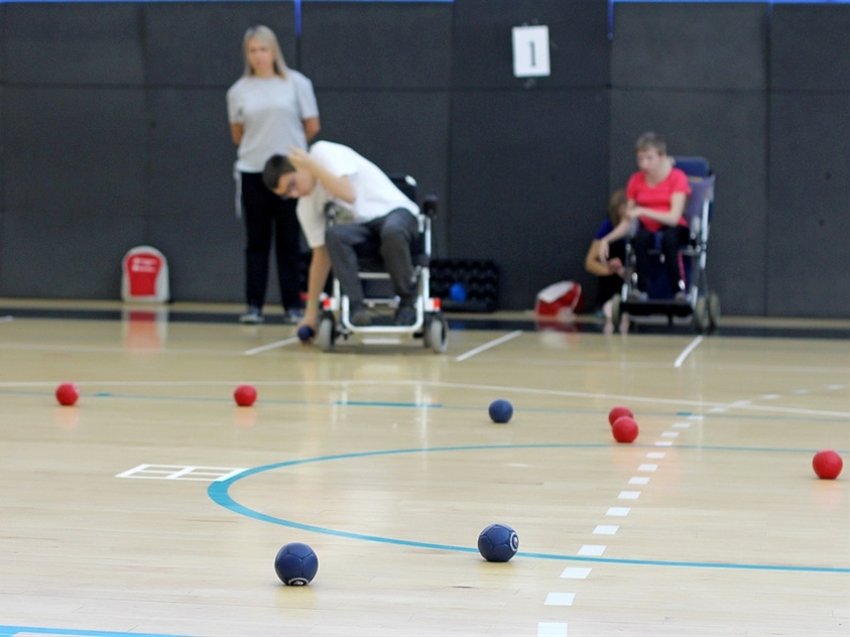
(531, 51)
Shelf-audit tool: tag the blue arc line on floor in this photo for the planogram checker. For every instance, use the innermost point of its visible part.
(219, 492)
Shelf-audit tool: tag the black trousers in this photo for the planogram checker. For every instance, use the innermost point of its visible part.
(612, 284)
(270, 218)
(671, 238)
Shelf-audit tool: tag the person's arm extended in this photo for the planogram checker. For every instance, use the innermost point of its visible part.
(339, 187)
(320, 268)
(592, 263)
(677, 207)
(620, 230)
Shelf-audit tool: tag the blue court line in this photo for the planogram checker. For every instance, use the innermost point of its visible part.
(219, 492)
(11, 631)
(353, 403)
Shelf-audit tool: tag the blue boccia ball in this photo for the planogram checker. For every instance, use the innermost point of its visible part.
(498, 543)
(296, 564)
(501, 411)
(457, 292)
(305, 333)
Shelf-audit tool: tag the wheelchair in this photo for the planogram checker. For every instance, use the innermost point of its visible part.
(701, 302)
(431, 326)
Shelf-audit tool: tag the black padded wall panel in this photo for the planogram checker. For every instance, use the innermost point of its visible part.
(809, 47)
(528, 183)
(401, 131)
(730, 130)
(74, 194)
(483, 52)
(695, 45)
(191, 211)
(73, 44)
(809, 216)
(200, 43)
(391, 45)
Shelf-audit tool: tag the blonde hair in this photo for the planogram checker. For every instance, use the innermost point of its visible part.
(266, 36)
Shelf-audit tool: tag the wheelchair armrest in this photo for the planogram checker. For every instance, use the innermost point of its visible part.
(430, 205)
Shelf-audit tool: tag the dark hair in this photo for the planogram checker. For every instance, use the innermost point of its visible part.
(618, 198)
(276, 167)
(651, 141)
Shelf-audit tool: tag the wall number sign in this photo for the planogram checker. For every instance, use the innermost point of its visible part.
(531, 51)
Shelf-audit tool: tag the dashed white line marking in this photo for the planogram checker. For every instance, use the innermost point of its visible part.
(575, 572)
(835, 386)
(656, 454)
(770, 396)
(560, 599)
(682, 425)
(663, 443)
(670, 434)
(802, 391)
(606, 529)
(551, 629)
(741, 403)
(592, 550)
(619, 512)
(717, 410)
(647, 467)
(638, 480)
(628, 495)
(696, 417)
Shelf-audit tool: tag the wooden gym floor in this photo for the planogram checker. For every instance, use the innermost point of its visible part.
(155, 506)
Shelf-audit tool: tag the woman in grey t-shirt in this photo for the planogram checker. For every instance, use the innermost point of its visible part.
(271, 108)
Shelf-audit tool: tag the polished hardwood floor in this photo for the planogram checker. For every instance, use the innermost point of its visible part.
(156, 506)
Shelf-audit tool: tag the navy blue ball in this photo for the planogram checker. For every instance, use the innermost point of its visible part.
(501, 411)
(498, 543)
(296, 564)
(305, 333)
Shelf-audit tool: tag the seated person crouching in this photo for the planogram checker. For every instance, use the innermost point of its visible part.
(371, 210)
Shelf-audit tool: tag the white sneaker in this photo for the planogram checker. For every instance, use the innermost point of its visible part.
(252, 316)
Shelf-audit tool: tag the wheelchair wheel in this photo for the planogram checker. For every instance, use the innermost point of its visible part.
(701, 318)
(326, 333)
(713, 310)
(437, 334)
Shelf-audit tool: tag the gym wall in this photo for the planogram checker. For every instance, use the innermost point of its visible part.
(113, 133)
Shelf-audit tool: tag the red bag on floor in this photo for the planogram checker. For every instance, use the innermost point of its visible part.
(563, 298)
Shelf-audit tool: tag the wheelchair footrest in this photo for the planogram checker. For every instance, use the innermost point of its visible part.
(669, 307)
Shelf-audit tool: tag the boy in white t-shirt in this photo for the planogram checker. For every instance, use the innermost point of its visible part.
(371, 212)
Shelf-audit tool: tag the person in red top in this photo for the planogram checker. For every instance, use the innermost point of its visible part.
(656, 198)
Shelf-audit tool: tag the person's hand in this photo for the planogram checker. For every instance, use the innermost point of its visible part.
(615, 266)
(312, 324)
(603, 251)
(633, 213)
(299, 158)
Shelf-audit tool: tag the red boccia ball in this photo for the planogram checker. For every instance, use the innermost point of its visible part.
(618, 412)
(827, 464)
(625, 429)
(67, 394)
(245, 395)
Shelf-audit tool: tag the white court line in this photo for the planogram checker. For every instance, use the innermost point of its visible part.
(486, 346)
(687, 351)
(552, 629)
(275, 345)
